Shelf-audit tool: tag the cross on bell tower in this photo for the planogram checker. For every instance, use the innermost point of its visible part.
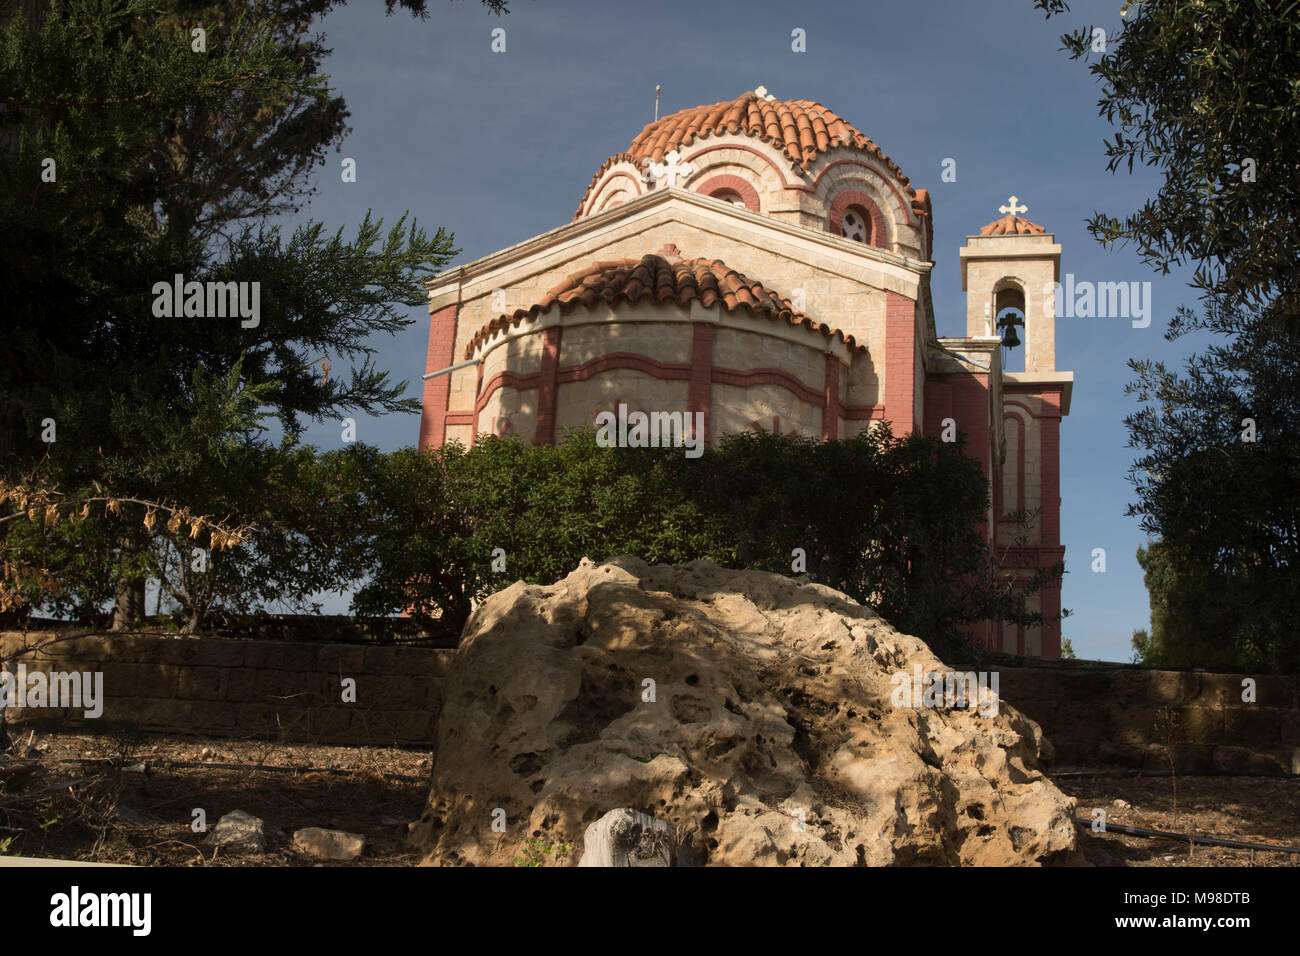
(1012, 209)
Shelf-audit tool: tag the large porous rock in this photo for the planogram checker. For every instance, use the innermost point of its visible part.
(756, 714)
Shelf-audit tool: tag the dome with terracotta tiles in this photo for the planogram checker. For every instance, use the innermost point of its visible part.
(793, 160)
(800, 129)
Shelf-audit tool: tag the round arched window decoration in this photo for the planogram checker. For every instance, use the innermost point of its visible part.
(856, 225)
(856, 216)
(732, 189)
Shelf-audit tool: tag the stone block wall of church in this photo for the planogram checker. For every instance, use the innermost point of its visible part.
(772, 376)
(578, 402)
(840, 302)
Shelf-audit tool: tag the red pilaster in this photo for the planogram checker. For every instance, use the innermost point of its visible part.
(437, 391)
(478, 390)
(1050, 439)
(700, 396)
(1050, 442)
(938, 406)
(900, 362)
(831, 409)
(546, 387)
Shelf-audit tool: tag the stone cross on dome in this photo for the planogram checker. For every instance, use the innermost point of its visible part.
(672, 168)
(1013, 210)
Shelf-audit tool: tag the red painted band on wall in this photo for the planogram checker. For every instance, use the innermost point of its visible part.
(700, 373)
(620, 360)
(509, 380)
(768, 376)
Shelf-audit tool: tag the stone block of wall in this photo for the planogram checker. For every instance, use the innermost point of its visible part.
(264, 689)
(1119, 717)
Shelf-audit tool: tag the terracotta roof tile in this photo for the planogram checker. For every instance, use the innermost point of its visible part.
(662, 279)
(1012, 226)
(801, 129)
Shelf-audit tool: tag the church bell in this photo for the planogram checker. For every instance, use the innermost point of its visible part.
(1008, 323)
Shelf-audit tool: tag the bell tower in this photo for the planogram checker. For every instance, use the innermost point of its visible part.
(1008, 272)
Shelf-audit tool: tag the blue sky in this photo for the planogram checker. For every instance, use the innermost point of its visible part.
(499, 147)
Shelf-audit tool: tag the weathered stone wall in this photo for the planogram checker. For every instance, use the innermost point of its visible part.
(258, 689)
(1116, 717)
(1094, 716)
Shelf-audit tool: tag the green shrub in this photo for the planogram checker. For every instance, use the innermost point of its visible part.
(892, 522)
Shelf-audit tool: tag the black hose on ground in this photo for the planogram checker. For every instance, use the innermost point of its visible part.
(1188, 838)
(1069, 774)
(167, 764)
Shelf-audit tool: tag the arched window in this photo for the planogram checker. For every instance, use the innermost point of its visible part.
(728, 195)
(731, 189)
(856, 225)
(856, 216)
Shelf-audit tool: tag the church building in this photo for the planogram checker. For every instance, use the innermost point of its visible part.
(760, 263)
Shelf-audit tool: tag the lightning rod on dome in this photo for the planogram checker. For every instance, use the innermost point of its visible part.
(656, 102)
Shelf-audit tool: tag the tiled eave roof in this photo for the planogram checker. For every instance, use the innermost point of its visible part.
(662, 280)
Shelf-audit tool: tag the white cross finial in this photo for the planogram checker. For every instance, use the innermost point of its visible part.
(1013, 209)
(670, 170)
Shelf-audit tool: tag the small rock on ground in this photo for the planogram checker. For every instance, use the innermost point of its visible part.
(238, 832)
(329, 844)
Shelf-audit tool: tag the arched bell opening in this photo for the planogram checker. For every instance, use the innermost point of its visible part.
(1009, 309)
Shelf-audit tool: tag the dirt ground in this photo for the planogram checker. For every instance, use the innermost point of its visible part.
(1250, 809)
(114, 798)
(129, 803)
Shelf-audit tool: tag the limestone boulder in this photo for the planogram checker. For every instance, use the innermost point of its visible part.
(757, 715)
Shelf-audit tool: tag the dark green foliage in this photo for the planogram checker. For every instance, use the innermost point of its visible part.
(168, 161)
(1196, 620)
(1196, 90)
(891, 522)
(1221, 504)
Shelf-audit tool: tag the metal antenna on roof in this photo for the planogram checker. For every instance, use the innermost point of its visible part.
(656, 102)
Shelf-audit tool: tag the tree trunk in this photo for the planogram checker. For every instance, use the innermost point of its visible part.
(128, 612)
